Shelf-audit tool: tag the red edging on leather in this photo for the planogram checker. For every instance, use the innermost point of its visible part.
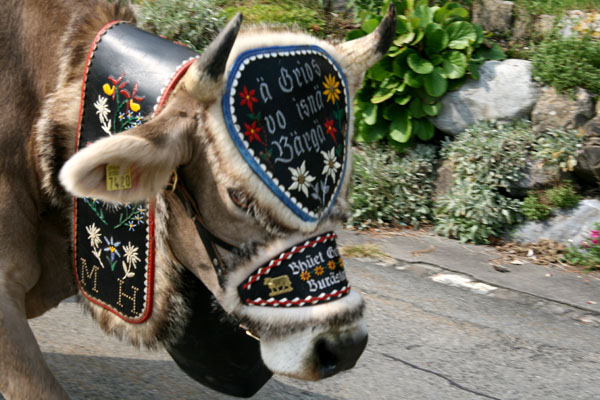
(285, 256)
(301, 301)
(151, 245)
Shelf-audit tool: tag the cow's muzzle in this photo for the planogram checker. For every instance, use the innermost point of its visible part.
(335, 356)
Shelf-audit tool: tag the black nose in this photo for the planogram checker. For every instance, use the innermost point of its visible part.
(334, 356)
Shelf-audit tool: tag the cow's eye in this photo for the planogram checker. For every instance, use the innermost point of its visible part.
(239, 199)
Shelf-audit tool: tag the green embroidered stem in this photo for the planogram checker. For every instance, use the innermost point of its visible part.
(127, 219)
(96, 211)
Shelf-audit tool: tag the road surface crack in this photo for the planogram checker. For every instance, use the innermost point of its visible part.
(450, 381)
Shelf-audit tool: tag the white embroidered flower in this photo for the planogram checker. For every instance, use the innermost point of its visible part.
(301, 179)
(102, 108)
(106, 126)
(131, 254)
(331, 163)
(94, 235)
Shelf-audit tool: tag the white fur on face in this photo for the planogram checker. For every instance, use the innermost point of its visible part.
(295, 355)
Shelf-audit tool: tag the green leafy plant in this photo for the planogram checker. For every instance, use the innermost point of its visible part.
(389, 189)
(563, 196)
(588, 252)
(192, 22)
(567, 63)
(435, 50)
(487, 161)
(534, 210)
(558, 149)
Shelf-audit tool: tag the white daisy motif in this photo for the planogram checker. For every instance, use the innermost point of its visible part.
(131, 254)
(94, 235)
(301, 179)
(102, 109)
(331, 163)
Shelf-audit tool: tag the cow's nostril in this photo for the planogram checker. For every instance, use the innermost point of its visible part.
(339, 355)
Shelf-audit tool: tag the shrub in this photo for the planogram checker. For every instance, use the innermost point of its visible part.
(558, 149)
(486, 160)
(306, 14)
(534, 210)
(391, 189)
(435, 49)
(563, 196)
(588, 252)
(192, 22)
(567, 63)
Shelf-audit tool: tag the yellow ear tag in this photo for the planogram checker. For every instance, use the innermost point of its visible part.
(117, 178)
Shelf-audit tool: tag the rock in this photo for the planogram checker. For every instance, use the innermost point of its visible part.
(526, 26)
(493, 15)
(504, 92)
(443, 182)
(568, 227)
(592, 127)
(535, 176)
(544, 24)
(577, 22)
(557, 111)
(588, 161)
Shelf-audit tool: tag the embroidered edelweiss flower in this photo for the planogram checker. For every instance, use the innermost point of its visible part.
(331, 164)
(131, 254)
(94, 235)
(331, 89)
(106, 126)
(102, 109)
(305, 275)
(302, 180)
(331, 265)
(112, 248)
(319, 270)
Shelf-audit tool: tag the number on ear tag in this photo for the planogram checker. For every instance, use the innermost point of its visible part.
(117, 178)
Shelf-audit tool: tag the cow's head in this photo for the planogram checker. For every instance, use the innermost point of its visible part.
(259, 131)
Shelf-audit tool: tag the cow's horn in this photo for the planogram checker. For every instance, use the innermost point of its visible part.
(203, 79)
(363, 52)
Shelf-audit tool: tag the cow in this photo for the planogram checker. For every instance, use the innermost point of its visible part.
(221, 220)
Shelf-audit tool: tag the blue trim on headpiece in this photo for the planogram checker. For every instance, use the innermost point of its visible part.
(244, 150)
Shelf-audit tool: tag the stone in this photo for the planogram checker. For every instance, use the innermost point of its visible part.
(505, 91)
(544, 24)
(522, 26)
(588, 162)
(592, 128)
(577, 22)
(557, 111)
(569, 227)
(443, 181)
(535, 176)
(493, 15)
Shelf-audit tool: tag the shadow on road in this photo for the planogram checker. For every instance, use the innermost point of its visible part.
(90, 377)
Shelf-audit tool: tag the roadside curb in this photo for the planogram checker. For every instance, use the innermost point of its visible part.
(575, 290)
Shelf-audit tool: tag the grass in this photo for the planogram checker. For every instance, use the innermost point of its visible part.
(556, 7)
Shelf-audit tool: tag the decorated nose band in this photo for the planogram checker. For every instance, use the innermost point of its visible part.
(309, 273)
(286, 109)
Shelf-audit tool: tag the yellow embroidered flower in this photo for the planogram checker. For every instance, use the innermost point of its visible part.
(305, 275)
(319, 270)
(341, 262)
(331, 265)
(108, 89)
(331, 89)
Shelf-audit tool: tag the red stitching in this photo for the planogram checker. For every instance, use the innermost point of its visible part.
(285, 256)
(299, 302)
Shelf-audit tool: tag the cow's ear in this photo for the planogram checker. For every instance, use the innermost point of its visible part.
(133, 165)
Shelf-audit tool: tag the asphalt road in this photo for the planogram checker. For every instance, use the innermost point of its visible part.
(428, 340)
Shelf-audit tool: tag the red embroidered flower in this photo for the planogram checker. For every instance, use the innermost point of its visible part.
(252, 132)
(248, 98)
(330, 130)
